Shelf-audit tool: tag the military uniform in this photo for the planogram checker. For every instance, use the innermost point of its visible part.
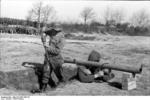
(89, 74)
(52, 69)
(86, 73)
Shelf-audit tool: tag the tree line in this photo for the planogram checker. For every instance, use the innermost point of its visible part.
(114, 21)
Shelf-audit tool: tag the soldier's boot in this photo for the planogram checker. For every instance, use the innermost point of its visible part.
(41, 90)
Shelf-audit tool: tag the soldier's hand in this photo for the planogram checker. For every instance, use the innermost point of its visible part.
(99, 74)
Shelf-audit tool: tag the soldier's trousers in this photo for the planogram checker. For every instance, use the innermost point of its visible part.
(52, 71)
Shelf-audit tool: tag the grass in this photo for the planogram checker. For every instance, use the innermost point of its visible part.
(16, 49)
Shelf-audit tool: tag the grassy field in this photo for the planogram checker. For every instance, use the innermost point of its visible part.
(16, 49)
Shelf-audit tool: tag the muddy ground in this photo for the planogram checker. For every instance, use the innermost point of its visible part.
(16, 49)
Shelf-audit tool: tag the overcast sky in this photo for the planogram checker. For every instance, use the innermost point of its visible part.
(70, 10)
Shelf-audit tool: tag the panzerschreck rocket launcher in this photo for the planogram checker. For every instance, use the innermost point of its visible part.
(124, 68)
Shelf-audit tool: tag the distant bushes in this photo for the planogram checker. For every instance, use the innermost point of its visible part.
(127, 29)
(138, 31)
(18, 29)
(9, 25)
(12, 21)
(75, 27)
(118, 29)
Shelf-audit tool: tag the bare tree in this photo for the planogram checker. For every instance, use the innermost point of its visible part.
(48, 14)
(29, 16)
(41, 13)
(140, 18)
(36, 13)
(118, 15)
(107, 15)
(113, 16)
(87, 14)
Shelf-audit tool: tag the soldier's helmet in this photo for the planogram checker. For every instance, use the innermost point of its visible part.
(51, 31)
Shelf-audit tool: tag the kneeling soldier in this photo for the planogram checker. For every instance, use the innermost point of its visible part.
(89, 74)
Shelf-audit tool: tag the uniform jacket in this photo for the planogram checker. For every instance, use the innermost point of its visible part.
(55, 46)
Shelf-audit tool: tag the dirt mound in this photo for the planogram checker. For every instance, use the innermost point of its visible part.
(22, 79)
